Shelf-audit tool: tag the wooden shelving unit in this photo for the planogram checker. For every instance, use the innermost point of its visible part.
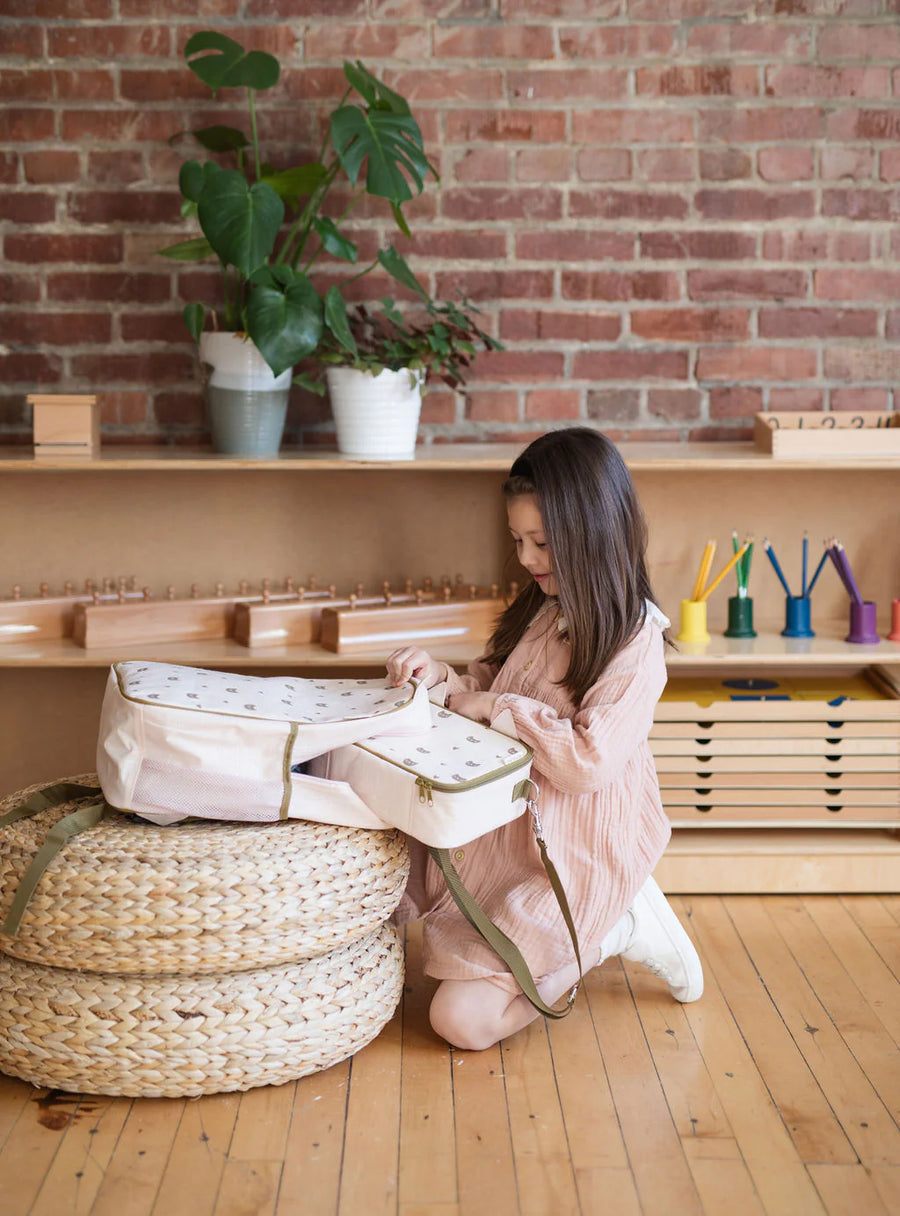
(180, 516)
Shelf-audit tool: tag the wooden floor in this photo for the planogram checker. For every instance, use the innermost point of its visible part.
(778, 1092)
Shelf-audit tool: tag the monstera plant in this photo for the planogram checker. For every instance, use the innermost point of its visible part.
(267, 227)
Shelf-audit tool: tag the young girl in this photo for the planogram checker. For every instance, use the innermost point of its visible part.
(577, 661)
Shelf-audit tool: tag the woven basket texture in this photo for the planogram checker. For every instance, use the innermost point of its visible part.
(182, 1036)
(130, 897)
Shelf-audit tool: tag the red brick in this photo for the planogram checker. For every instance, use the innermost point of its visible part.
(755, 204)
(868, 285)
(574, 10)
(795, 399)
(108, 41)
(27, 207)
(448, 86)
(603, 164)
(463, 244)
(29, 367)
(567, 84)
(104, 207)
(543, 164)
(484, 165)
(666, 164)
(123, 408)
(509, 365)
(495, 284)
(598, 41)
(155, 327)
(620, 285)
(578, 245)
(758, 284)
(674, 404)
(811, 246)
(632, 126)
(56, 328)
(366, 41)
(706, 243)
(864, 124)
(759, 39)
(24, 40)
(861, 204)
(147, 368)
(734, 402)
(659, 10)
(614, 405)
(630, 365)
(119, 168)
(709, 79)
(847, 40)
(517, 325)
(67, 10)
(756, 363)
(786, 164)
(691, 324)
(404, 10)
(9, 168)
(867, 362)
(492, 406)
(724, 164)
(34, 248)
(506, 41)
(161, 84)
(19, 288)
(818, 323)
(626, 204)
(804, 80)
(84, 86)
(28, 125)
(742, 125)
(535, 126)
(78, 286)
(111, 126)
(889, 165)
(438, 407)
(523, 204)
(26, 85)
(553, 404)
(179, 409)
(859, 399)
(837, 162)
(892, 324)
(51, 165)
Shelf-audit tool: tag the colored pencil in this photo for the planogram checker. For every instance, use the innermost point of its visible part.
(770, 553)
(728, 566)
(851, 581)
(805, 563)
(706, 561)
(818, 570)
(745, 564)
(836, 562)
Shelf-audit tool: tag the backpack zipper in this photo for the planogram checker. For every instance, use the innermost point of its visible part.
(427, 786)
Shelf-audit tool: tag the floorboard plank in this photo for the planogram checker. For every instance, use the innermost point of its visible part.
(14, 1099)
(134, 1174)
(862, 1114)
(73, 1181)
(196, 1165)
(427, 1132)
(847, 1190)
(484, 1151)
(660, 1169)
(32, 1145)
(815, 1130)
(887, 1182)
(311, 1179)
(879, 927)
(722, 1178)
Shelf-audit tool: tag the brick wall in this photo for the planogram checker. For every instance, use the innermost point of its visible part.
(674, 213)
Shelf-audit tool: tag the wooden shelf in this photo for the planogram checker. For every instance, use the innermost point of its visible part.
(640, 457)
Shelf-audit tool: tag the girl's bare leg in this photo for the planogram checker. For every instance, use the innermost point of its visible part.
(476, 1014)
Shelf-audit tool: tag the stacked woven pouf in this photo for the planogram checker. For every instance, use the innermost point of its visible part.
(195, 959)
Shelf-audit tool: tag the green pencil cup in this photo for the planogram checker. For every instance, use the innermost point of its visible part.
(740, 617)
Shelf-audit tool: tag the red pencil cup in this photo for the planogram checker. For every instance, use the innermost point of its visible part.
(863, 624)
(894, 635)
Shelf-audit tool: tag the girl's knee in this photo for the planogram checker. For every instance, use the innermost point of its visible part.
(464, 1023)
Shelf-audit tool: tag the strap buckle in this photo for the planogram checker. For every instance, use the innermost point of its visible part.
(531, 805)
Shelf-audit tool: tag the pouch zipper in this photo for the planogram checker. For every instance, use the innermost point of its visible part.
(427, 786)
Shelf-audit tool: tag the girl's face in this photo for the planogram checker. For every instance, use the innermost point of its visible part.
(532, 550)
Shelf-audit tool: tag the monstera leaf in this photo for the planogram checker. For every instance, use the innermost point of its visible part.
(240, 221)
(228, 65)
(285, 322)
(390, 143)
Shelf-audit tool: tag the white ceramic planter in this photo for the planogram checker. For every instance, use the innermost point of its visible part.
(247, 404)
(376, 416)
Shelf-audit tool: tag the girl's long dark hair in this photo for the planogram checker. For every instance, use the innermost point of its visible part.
(597, 535)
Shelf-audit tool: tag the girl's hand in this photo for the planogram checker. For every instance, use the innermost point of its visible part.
(409, 663)
(475, 705)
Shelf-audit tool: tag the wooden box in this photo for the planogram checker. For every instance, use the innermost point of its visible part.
(865, 435)
(65, 425)
(780, 753)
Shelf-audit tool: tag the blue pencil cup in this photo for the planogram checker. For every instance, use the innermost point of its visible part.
(798, 616)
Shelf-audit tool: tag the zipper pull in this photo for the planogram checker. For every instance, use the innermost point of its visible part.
(424, 790)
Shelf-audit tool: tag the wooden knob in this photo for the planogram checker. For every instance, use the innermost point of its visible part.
(447, 592)
(359, 588)
(220, 590)
(495, 588)
(43, 590)
(426, 583)
(408, 586)
(332, 591)
(88, 585)
(266, 596)
(147, 593)
(311, 582)
(121, 595)
(133, 582)
(266, 584)
(243, 586)
(170, 592)
(96, 597)
(388, 597)
(420, 597)
(107, 586)
(195, 591)
(17, 592)
(385, 587)
(473, 591)
(352, 600)
(289, 584)
(68, 587)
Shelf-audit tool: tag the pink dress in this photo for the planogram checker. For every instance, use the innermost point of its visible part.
(603, 818)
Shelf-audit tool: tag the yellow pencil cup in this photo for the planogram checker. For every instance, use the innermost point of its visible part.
(693, 621)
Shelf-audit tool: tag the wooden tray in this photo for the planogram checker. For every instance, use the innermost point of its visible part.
(811, 435)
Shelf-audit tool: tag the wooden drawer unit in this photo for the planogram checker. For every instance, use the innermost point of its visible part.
(775, 752)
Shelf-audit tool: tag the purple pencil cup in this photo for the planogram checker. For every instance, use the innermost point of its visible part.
(863, 623)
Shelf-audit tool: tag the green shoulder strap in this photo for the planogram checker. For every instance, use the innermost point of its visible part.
(497, 939)
(79, 821)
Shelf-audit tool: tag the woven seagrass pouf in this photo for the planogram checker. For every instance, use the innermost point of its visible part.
(182, 1036)
(130, 897)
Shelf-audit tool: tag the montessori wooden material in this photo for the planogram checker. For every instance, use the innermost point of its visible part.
(32, 618)
(295, 620)
(780, 752)
(383, 626)
(65, 424)
(812, 435)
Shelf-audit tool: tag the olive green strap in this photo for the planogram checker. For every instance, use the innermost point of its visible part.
(497, 939)
(50, 795)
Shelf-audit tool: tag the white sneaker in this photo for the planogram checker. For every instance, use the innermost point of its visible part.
(659, 943)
